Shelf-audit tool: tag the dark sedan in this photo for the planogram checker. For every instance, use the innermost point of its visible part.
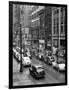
(37, 71)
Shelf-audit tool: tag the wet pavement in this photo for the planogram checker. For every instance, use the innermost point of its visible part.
(24, 78)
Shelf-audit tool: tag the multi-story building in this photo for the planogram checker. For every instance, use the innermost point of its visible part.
(41, 24)
(25, 22)
(48, 27)
(21, 21)
(48, 24)
(37, 24)
(16, 24)
(58, 27)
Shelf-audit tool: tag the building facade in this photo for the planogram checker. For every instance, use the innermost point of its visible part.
(58, 27)
(48, 24)
(25, 23)
(37, 24)
(21, 21)
(48, 27)
(16, 24)
(41, 25)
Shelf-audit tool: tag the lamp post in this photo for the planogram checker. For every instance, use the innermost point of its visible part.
(21, 66)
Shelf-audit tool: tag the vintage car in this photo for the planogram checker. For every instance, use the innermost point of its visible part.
(37, 71)
(59, 65)
(26, 61)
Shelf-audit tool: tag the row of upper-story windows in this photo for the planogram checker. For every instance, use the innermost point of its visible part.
(59, 20)
(35, 23)
(34, 16)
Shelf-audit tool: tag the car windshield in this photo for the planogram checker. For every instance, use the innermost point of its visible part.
(40, 68)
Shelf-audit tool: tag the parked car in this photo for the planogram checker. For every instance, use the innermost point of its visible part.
(61, 66)
(26, 61)
(37, 71)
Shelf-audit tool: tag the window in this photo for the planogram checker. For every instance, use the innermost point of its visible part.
(35, 23)
(62, 20)
(34, 16)
(62, 28)
(56, 25)
(42, 20)
(55, 43)
(56, 11)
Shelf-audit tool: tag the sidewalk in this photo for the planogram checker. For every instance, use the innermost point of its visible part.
(19, 78)
(16, 66)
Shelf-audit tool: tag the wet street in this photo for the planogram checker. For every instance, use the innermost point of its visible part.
(24, 78)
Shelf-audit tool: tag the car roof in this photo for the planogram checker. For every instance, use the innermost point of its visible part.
(37, 65)
(26, 57)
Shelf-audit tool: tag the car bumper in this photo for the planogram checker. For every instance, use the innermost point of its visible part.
(40, 76)
(61, 70)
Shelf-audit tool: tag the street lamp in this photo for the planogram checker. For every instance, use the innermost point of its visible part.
(21, 66)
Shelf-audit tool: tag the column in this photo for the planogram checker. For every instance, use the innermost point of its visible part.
(52, 30)
(59, 26)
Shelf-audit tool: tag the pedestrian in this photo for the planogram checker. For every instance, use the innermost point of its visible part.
(57, 51)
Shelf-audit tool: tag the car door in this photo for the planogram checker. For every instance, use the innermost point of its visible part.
(34, 71)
